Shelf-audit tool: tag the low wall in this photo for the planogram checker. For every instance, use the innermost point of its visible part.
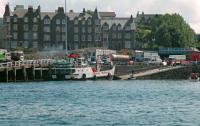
(181, 73)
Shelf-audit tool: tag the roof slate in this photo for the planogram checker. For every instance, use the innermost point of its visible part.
(121, 21)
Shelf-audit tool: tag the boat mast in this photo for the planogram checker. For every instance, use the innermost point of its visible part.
(66, 49)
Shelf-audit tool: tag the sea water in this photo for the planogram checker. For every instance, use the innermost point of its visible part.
(106, 103)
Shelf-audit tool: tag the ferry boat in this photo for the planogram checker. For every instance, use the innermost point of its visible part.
(77, 69)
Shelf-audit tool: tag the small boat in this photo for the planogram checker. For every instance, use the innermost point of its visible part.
(74, 68)
(194, 77)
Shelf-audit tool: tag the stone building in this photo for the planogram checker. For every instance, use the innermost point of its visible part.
(31, 28)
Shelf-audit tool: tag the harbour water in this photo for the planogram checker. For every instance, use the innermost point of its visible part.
(90, 103)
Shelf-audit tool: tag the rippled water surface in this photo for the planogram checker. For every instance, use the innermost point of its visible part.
(91, 103)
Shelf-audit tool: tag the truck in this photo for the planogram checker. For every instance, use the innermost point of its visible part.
(4, 55)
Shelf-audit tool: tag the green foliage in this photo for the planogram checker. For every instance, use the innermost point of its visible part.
(90, 12)
(166, 31)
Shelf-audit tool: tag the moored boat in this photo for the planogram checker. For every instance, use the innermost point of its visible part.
(74, 68)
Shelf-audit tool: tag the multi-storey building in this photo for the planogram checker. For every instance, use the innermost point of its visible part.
(31, 28)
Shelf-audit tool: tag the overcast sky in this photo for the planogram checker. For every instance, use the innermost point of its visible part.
(189, 9)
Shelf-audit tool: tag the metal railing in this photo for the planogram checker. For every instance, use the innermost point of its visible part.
(27, 63)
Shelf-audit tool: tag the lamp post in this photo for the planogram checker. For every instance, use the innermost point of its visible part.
(66, 48)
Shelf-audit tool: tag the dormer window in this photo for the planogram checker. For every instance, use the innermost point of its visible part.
(26, 19)
(114, 27)
(76, 22)
(97, 22)
(105, 27)
(119, 28)
(89, 22)
(57, 21)
(34, 19)
(83, 22)
(47, 21)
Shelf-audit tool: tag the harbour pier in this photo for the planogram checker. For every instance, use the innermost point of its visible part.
(27, 70)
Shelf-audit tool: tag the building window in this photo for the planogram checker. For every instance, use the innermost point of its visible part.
(57, 21)
(57, 38)
(35, 35)
(114, 36)
(34, 19)
(7, 19)
(63, 21)
(35, 27)
(97, 22)
(35, 44)
(105, 36)
(15, 35)
(83, 29)
(46, 37)
(96, 38)
(63, 37)
(25, 44)
(98, 29)
(127, 44)
(89, 38)
(99, 37)
(119, 35)
(26, 19)
(46, 28)
(75, 37)
(26, 35)
(105, 27)
(89, 22)
(13, 44)
(63, 29)
(119, 28)
(76, 22)
(15, 19)
(75, 29)
(127, 28)
(127, 36)
(25, 27)
(47, 21)
(83, 37)
(114, 28)
(57, 28)
(83, 22)
(89, 29)
(15, 27)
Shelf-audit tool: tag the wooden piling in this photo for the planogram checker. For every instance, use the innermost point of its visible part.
(25, 73)
(15, 74)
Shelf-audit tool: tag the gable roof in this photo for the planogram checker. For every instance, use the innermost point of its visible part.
(72, 15)
(50, 14)
(20, 12)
